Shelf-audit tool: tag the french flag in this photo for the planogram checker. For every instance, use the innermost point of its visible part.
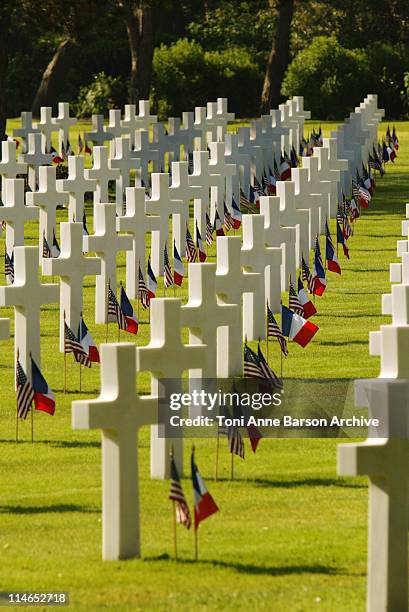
(43, 396)
(218, 225)
(306, 303)
(285, 169)
(204, 503)
(200, 247)
(235, 215)
(332, 261)
(152, 283)
(87, 341)
(296, 327)
(178, 267)
(128, 312)
(272, 183)
(320, 281)
(342, 240)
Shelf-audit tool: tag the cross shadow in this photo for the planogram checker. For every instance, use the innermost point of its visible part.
(291, 484)
(56, 443)
(341, 342)
(47, 509)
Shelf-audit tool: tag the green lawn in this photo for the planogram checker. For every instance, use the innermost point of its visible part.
(290, 534)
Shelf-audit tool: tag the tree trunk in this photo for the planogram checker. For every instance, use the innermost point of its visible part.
(54, 76)
(5, 20)
(139, 26)
(278, 58)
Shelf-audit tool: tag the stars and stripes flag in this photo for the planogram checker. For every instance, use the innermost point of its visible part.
(227, 219)
(87, 341)
(394, 138)
(342, 240)
(114, 312)
(330, 256)
(200, 247)
(46, 247)
(24, 391)
(274, 331)
(245, 202)
(55, 251)
(177, 495)
(9, 266)
(80, 144)
(178, 267)
(167, 270)
(285, 169)
(306, 275)
(152, 282)
(191, 254)
(251, 364)
(131, 321)
(218, 224)
(294, 303)
(320, 281)
(235, 215)
(361, 195)
(73, 345)
(204, 504)
(85, 231)
(143, 293)
(43, 396)
(306, 303)
(253, 431)
(222, 429)
(346, 227)
(209, 231)
(235, 441)
(267, 371)
(64, 153)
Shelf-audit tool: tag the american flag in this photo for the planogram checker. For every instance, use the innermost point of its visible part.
(85, 231)
(73, 345)
(143, 294)
(115, 314)
(9, 266)
(245, 202)
(191, 253)
(167, 270)
(306, 275)
(346, 227)
(361, 194)
(274, 331)
(251, 364)
(25, 392)
(176, 494)
(268, 373)
(294, 303)
(209, 230)
(235, 441)
(80, 144)
(46, 248)
(227, 218)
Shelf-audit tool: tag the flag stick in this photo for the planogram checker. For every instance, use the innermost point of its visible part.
(217, 457)
(232, 467)
(196, 546)
(32, 423)
(17, 424)
(281, 354)
(175, 546)
(65, 361)
(119, 333)
(80, 377)
(106, 313)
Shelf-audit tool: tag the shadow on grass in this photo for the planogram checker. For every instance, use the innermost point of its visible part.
(292, 484)
(57, 443)
(350, 315)
(341, 342)
(266, 570)
(47, 509)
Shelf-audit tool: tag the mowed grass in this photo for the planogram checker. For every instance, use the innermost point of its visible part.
(290, 534)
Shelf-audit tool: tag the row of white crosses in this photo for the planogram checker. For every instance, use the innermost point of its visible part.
(384, 455)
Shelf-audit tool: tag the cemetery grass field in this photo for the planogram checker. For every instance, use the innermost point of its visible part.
(290, 534)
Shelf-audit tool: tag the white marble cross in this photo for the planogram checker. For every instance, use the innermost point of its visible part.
(133, 122)
(319, 185)
(256, 256)
(329, 174)
(181, 189)
(63, 121)
(120, 412)
(15, 213)
(47, 198)
(261, 135)
(292, 216)
(102, 172)
(178, 137)
(145, 151)
(72, 267)
(221, 174)
(308, 195)
(106, 243)
(336, 164)
(26, 128)
(27, 295)
(384, 458)
(200, 181)
(98, 134)
(280, 129)
(34, 158)
(234, 155)
(162, 205)
(290, 123)
(46, 126)
(193, 133)
(136, 223)
(247, 146)
(234, 284)
(166, 357)
(9, 166)
(298, 114)
(207, 316)
(218, 117)
(279, 235)
(77, 185)
(125, 162)
(115, 128)
(163, 145)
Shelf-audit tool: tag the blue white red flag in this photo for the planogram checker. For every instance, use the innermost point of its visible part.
(320, 281)
(152, 282)
(87, 341)
(43, 396)
(178, 267)
(296, 327)
(204, 503)
(128, 312)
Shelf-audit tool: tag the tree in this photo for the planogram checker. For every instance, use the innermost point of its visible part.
(279, 56)
(5, 22)
(139, 26)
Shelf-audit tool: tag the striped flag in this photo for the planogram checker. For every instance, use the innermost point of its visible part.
(204, 504)
(251, 364)
(307, 276)
(167, 270)
(342, 240)
(87, 341)
(267, 371)
(178, 267)
(236, 215)
(320, 281)
(131, 321)
(73, 345)
(235, 441)
(115, 314)
(43, 396)
(306, 303)
(227, 218)
(55, 251)
(85, 231)
(332, 260)
(143, 293)
(25, 392)
(80, 144)
(46, 248)
(177, 495)
(200, 248)
(218, 225)
(9, 266)
(274, 331)
(191, 254)
(294, 303)
(209, 231)
(152, 282)
(245, 202)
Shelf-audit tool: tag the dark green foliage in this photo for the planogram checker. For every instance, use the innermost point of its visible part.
(103, 93)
